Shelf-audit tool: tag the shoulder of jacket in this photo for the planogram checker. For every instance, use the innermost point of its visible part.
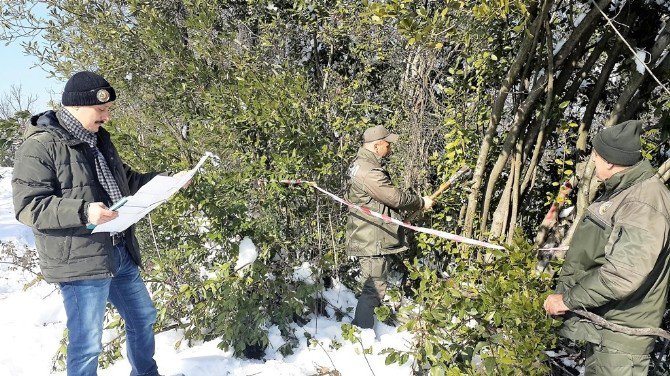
(358, 167)
(648, 189)
(371, 171)
(650, 195)
(40, 138)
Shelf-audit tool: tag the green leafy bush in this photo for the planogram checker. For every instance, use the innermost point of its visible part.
(485, 317)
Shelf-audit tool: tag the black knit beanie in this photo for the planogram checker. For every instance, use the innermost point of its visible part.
(620, 144)
(87, 89)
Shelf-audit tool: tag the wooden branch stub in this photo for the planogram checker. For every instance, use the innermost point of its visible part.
(647, 332)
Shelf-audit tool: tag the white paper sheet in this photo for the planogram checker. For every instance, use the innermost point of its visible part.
(150, 196)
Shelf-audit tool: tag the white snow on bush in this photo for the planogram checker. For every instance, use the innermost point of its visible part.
(641, 57)
(304, 273)
(248, 254)
(566, 212)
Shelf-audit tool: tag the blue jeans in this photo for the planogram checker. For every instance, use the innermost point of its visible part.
(85, 303)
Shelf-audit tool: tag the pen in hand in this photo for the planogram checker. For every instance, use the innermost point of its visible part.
(98, 213)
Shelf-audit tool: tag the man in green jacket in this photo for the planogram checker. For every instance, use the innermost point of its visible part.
(67, 173)
(372, 239)
(617, 264)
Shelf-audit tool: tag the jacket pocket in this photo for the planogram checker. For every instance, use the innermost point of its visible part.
(623, 251)
(355, 246)
(567, 270)
(53, 248)
(389, 236)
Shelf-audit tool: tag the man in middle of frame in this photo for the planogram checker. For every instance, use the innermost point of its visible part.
(372, 239)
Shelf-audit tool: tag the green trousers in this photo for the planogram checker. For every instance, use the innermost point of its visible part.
(603, 361)
(374, 270)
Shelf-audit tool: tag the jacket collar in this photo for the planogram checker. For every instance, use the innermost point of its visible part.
(369, 156)
(48, 122)
(75, 128)
(626, 178)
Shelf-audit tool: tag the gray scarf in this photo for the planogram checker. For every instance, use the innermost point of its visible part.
(72, 125)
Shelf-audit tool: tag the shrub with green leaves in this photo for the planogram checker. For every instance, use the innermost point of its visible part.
(486, 317)
(283, 90)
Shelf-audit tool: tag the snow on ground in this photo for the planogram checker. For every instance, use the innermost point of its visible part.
(32, 323)
(10, 229)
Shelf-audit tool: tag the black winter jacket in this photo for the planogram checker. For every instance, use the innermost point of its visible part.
(54, 177)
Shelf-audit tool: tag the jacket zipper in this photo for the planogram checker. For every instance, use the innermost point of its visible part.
(602, 227)
(618, 237)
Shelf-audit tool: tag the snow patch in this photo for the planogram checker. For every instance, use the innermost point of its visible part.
(641, 57)
(11, 230)
(566, 212)
(304, 273)
(248, 254)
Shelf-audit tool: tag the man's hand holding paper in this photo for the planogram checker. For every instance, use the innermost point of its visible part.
(97, 213)
(149, 197)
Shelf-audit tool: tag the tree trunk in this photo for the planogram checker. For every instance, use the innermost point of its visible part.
(664, 171)
(594, 99)
(553, 214)
(585, 194)
(544, 117)
(496, 113)
(519, 120)
(499, 221)
(577, 38)
(515, 191)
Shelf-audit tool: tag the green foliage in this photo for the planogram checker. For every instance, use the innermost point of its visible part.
(564, 163)
(282, 90)
(58, 363)
(436, 24)
(196, 273)
(485, 318)
(352, 334)
(11, 130)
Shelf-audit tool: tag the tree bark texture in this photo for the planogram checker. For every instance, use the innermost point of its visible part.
(581, 71)
(522, 114)
(496, 113)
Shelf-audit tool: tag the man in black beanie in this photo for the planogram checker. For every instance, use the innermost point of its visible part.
(619, 257)
(67, 174)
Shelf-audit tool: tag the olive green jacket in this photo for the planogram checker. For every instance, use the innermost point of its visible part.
(617, 264)
(371, 186)
(54, 177)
